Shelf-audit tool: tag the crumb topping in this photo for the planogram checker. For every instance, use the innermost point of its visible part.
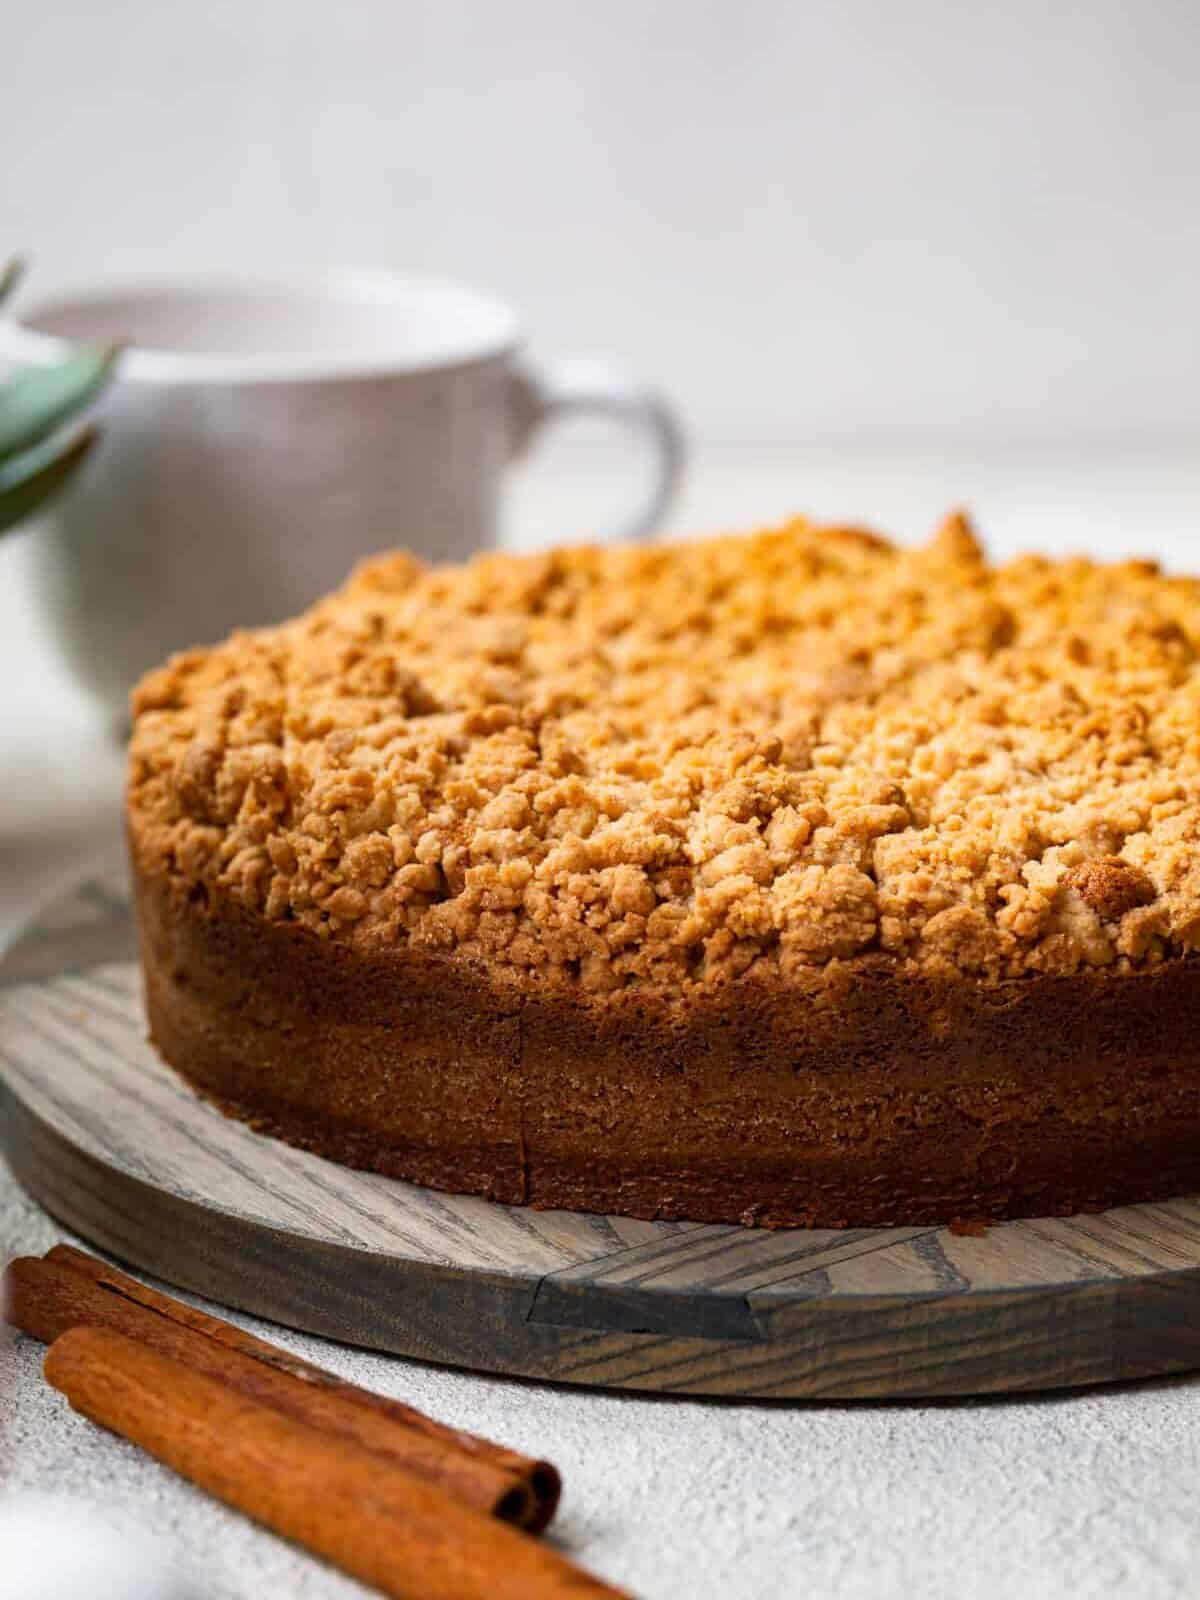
(669, 765)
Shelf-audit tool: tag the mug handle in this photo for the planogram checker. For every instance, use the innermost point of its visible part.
(602, 387)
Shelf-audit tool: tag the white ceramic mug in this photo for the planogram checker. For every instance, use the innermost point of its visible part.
(261, 436)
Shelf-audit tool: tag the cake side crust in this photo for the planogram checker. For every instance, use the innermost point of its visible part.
(882, 1098)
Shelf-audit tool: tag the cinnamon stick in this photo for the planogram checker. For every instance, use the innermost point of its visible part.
(68, 1289)
(400, 1533)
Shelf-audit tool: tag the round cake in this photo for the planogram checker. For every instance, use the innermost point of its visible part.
(794, 878)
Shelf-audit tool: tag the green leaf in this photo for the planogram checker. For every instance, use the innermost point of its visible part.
(10, 276)
(36, 403)
(29, 481)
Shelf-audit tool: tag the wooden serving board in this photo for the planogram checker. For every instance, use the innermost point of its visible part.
(114, 1145)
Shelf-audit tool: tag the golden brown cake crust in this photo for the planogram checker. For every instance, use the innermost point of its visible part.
(794, 877)
(672, 765)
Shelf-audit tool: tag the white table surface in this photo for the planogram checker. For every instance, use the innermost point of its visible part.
(1086, 1495)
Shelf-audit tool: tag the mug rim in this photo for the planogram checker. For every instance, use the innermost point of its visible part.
(498, 334)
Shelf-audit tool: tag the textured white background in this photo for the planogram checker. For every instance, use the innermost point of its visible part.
(819, 221)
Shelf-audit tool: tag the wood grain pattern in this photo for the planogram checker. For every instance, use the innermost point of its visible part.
(115, 1146)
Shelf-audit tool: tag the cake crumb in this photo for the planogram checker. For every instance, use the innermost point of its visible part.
(969, 1227)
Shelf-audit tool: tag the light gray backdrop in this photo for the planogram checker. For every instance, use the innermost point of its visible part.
(829, 222)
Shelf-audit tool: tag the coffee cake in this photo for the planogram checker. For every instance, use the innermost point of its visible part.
(785, 878)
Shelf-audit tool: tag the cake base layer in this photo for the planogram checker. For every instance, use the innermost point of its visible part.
(869, 1098)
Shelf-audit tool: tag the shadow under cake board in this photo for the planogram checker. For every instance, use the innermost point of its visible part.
(116, 1147)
